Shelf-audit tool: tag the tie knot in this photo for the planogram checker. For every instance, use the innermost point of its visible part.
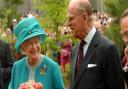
(82, 43)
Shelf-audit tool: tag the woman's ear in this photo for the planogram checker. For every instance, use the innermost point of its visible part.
(22, 48)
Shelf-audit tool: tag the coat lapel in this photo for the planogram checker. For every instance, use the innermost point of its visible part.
(88, 57)
(74, 57)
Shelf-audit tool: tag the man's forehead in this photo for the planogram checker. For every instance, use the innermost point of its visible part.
(124, 22)
(73, 5)
(69, 14)
(72, 10)
(125, 19)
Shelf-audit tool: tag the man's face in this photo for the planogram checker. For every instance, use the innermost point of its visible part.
(77, 23)
(124, 29)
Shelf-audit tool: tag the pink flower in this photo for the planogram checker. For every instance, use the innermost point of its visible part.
(31, 84)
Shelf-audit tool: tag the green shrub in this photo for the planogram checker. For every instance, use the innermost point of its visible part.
(113, 33)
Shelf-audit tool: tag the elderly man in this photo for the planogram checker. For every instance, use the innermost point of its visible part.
(124, 32)
(1, 87)
(95, 62)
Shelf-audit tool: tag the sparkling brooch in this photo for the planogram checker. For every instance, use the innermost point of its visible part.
(43, 70)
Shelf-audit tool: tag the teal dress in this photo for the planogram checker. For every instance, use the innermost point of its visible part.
(47, 72)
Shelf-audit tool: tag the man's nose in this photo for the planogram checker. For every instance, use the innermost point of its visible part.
(68, 23)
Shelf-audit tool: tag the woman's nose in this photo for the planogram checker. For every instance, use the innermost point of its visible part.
(34, 45)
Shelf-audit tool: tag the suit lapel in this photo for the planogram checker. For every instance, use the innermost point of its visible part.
(74, 57)
(85, 61)
(88, 57)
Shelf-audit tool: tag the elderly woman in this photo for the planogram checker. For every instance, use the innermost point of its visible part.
(34, 66)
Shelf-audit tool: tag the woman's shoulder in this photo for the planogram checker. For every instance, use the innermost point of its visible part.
(48, 60)
(21, 61)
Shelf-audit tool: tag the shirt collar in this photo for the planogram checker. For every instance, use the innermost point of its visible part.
(90, 35)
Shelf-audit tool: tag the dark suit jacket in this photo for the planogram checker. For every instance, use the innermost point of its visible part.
(1, 87)
(7, 60)
(108, 72)
(124, 61)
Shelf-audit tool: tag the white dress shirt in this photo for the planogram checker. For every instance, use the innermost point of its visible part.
(88, 39)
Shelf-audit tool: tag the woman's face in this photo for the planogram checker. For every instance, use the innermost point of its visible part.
(32, 48)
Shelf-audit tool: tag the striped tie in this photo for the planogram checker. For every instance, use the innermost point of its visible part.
(80, 54)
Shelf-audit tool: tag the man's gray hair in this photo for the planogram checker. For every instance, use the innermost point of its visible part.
(85, 6)
(124, 14)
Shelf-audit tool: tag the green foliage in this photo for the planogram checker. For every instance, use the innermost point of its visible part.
(115, 8)
(113, 33)
(69, 36)
(51, 48)
(53, 10)
(54, 13)
(3, 23)
(50, 43)
(9, 10)
(66, 75)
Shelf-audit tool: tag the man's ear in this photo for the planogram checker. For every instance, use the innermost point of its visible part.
(85, 16)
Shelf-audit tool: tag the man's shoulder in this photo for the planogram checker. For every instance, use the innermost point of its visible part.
(102, 40)
(107, 41)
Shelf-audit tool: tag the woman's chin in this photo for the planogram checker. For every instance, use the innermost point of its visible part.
(35, 57)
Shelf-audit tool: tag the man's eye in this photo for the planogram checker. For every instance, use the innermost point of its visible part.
(71, 19)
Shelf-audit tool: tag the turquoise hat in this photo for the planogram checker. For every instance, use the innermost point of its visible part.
(26, 29)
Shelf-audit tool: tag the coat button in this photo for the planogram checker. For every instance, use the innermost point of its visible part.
(29, 32)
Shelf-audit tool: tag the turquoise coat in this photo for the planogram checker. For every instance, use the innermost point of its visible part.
(50, 76)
